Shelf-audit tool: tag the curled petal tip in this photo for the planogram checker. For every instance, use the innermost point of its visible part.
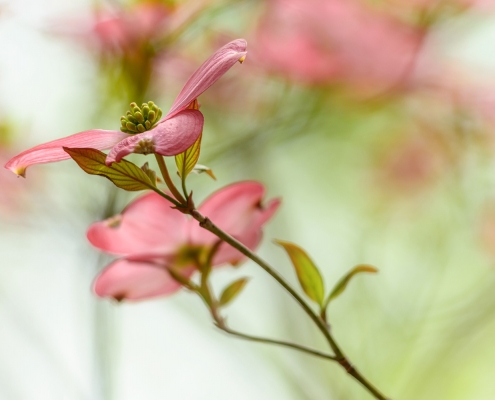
(208, 73)
(238, 44)
(18, 170)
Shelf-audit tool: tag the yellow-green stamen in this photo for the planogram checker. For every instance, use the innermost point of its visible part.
(140, 119)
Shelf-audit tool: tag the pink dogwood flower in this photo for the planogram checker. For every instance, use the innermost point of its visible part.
(153, 238)
(172, 135)
(336, 41)
(127, 30)
(119, 29)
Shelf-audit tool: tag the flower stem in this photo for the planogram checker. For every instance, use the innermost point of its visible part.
(210, 226)
(167, 179)
(275, 342)
(184, 187)
(322, 326)
(212, 304)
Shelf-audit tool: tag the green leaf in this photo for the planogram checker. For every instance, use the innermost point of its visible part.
(123, 174)
(308, 274)
(149, 172)
(231, 291)
(199, 169)
(186, 282)
(342, 284)
(187, 160)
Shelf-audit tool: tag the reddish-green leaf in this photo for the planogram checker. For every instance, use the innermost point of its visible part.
(187, 160)
(231, 291)
(123, 174)
(308, 274)
(342, 284)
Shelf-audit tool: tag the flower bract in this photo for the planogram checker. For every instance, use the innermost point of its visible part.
(152, 239)
(172, 135)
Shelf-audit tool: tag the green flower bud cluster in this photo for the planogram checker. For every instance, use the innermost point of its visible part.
(140, 119)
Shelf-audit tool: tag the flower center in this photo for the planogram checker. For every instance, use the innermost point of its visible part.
(145, 146)
(188, 255)
(140, 119)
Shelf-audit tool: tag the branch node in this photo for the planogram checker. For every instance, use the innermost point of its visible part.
(346, 364)
(205, 223)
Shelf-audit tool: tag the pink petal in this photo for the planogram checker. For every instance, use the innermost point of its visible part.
(330, 41)
(169, 138)
(124, 279)
(232, 208)
(208, 73)
(227, 254)
(147, 226)
(250, 237)
(53, 151)
(236, 209)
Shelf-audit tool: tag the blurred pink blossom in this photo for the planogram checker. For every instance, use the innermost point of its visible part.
(468, 91)
(152, 238)
(336, 41)
(124, 30)
(130, 30)
(173, 134)
(412, 162)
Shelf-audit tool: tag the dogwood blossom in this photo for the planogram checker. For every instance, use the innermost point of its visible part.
(171, 135)
(152, 238)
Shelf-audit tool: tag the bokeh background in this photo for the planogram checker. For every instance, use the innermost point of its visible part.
(374, 120)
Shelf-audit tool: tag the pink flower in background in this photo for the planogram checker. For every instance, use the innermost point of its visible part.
(141, 24)
(152, 237)
(412, 162)
(129, 38)
(125, 30)
(336, 41)
(172, 135)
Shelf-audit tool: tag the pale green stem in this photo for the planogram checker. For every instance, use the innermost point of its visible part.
(167, 179)
(166, 196)
(211, 302)
(339, 357)
(210, 226)
(276, 342)
(184, 188)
